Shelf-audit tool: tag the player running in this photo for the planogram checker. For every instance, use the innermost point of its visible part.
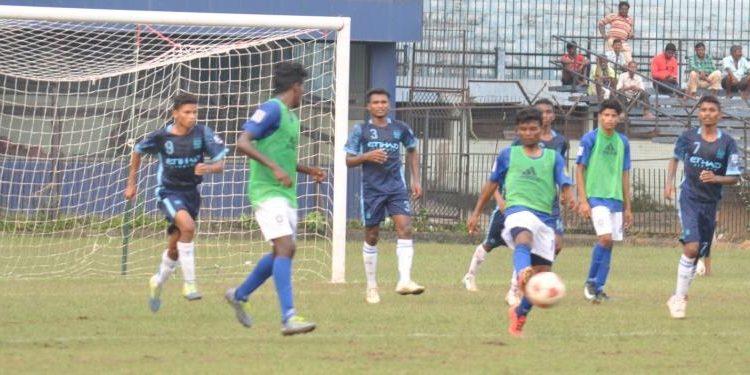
(376, 146)
(271, 139)
(711, 160)
(529, 176)
(180, 147)
(602, 179)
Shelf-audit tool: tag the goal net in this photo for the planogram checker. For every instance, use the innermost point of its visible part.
(78, 88)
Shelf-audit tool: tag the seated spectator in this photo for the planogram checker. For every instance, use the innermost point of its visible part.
(602, 78)
(703, 72)
(632, 88)
(616, 57)
(664, 71)
(574, 66)
(736, 69)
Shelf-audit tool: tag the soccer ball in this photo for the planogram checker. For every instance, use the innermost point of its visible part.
(545, 289)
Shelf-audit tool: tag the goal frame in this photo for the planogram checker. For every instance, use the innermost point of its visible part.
(340, 25)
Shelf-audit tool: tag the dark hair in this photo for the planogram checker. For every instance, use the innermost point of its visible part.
(734, 48)
(670, 47)
(699, 45)
(617, 41)
(544, 101)
(529, 114)
(710, 99)
(623, 3)
(377, 91)
(183, 98)
(571, 45)
(286, 74)
(610, 104)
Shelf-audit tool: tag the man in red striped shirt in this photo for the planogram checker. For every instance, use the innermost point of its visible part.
(621, 27)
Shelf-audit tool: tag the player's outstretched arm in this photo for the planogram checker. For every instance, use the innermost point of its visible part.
(245, 145)
(490, 187)
(708, 177)
(135, 164)
(500, 200)
(318, 174)
(412, 159)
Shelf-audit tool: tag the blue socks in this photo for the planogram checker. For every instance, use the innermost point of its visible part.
(255, 279)
(524, 307)
(596, 261)
(282, 277)
(603, 272)
(521, 257)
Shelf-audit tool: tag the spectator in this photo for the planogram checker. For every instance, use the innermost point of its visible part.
(616, 57)
(703, 72)
(574, 66)
(632, 88)
(736, 69)
(621, 27)
(664, 71)
(602, 79)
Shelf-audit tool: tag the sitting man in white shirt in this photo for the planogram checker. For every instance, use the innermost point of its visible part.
(736, 72)
(632, 88)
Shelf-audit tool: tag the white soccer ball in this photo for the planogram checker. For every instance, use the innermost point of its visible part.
(545, 289)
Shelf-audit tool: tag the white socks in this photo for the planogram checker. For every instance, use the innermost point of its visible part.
(166, 268)
(405, 252)
(476, 260)
(685, 275)
(514, 281)
(187, 260)
(370, 255)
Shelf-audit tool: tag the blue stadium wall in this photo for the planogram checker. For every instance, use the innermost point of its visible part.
(376, 24)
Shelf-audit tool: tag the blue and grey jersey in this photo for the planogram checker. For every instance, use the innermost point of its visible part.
(720, 157)
(386, 178)
(179, 154)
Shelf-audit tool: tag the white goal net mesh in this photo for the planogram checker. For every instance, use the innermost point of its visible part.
(74, 97)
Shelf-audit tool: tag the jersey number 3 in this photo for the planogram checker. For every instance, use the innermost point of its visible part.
(373, 134)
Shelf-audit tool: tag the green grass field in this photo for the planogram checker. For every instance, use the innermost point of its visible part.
(96, 325)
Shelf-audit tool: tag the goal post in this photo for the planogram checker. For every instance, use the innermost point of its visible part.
(79, 86)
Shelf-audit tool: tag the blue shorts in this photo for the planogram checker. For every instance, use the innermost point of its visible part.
(495, 231)
(375, 207)
(172, 201)
(698, 220)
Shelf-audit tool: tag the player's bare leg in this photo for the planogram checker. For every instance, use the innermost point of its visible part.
(370, 257)
(292, 324)
(186, 250)
(405, 253)
(677, 304)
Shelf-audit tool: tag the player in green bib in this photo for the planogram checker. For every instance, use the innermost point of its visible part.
(271, 139)
(602, 178)
(528, 175)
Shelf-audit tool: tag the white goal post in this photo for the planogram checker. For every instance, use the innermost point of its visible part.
(322, 42)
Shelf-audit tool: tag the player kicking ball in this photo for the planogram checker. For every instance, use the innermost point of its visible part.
(376, 146)
(548, 139)
(181, 147)
(529, 176)
(603, 182)
(711, 161)
(270, 138)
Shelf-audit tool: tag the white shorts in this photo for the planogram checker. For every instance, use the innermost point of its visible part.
(276, 218)
(607, 222)
(544, 237)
